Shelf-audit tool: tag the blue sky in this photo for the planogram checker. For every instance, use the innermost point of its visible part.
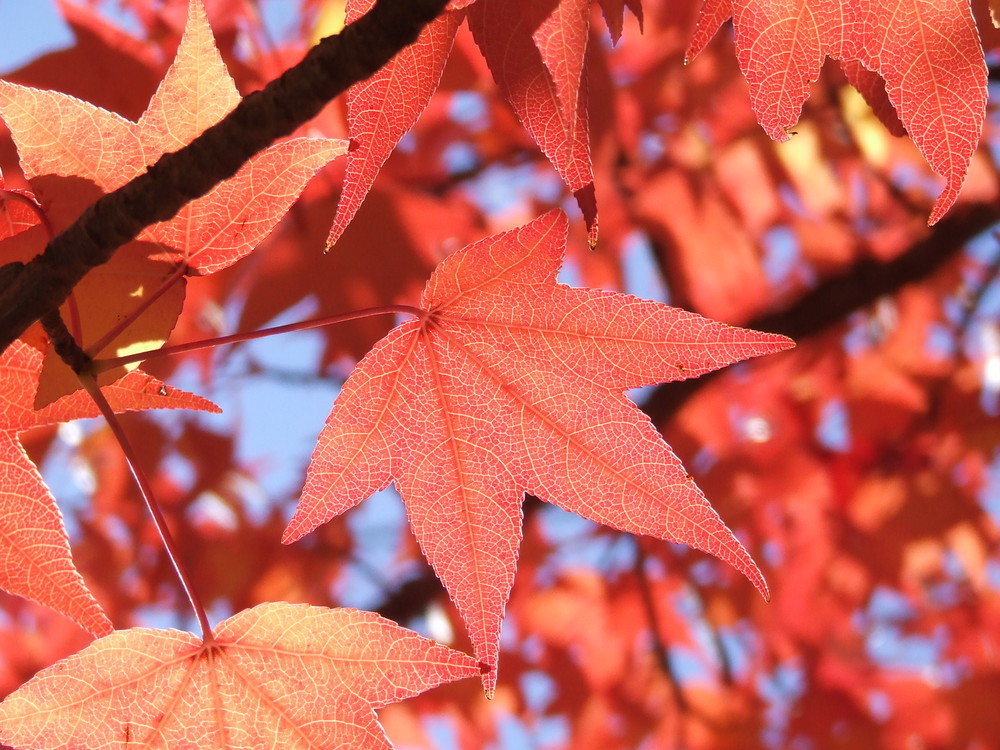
(30, 28)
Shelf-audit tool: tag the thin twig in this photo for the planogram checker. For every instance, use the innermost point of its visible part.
(660, 647)
(75, 357)
(100, 365)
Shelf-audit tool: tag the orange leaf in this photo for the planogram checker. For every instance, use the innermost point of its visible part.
(511, 383)
(102, 53)
(103, 297)
(278, 675)
(73, 152)
(34, 548)
(928, 52)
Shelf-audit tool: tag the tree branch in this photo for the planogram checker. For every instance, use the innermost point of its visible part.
(834, 299)
(331, 67)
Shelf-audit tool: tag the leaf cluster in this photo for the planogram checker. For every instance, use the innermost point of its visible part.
(856, 470)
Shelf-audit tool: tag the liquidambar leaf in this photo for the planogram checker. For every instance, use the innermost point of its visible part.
(511, 383)
(73, 151)
(928, 52)
(382, 109)
(537, 53)
(279, 675)
(35, 558)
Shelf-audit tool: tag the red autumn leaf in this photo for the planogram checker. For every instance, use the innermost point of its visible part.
(614, 15)
(34, 548)
(67, 146)
(382, 109)
(536, 52)
(278, 675)
(927, 51)
(511, 383)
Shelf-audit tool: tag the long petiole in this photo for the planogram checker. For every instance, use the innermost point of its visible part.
(90, 385)
(101, 365)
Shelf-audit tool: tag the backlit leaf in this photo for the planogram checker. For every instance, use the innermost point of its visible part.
(536, 52)
(279, 675)
(928, 52)
(74, 151)
(511, 383)
(382, 109)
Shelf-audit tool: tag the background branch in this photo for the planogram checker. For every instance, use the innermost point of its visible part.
(834, 299)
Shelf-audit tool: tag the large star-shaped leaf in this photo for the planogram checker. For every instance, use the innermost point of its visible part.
(510, 383)
(276, 676)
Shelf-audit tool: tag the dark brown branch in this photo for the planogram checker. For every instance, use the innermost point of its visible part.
(65, 345)
(833, 300)
(660, 647)
(332, 66)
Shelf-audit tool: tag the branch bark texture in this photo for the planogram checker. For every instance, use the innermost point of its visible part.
(331, 67)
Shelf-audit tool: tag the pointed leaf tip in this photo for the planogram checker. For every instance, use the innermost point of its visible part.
(774, 342)
(512, 382)
(383, 108)
(537, 55)
(298, 677)
(938, 85)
